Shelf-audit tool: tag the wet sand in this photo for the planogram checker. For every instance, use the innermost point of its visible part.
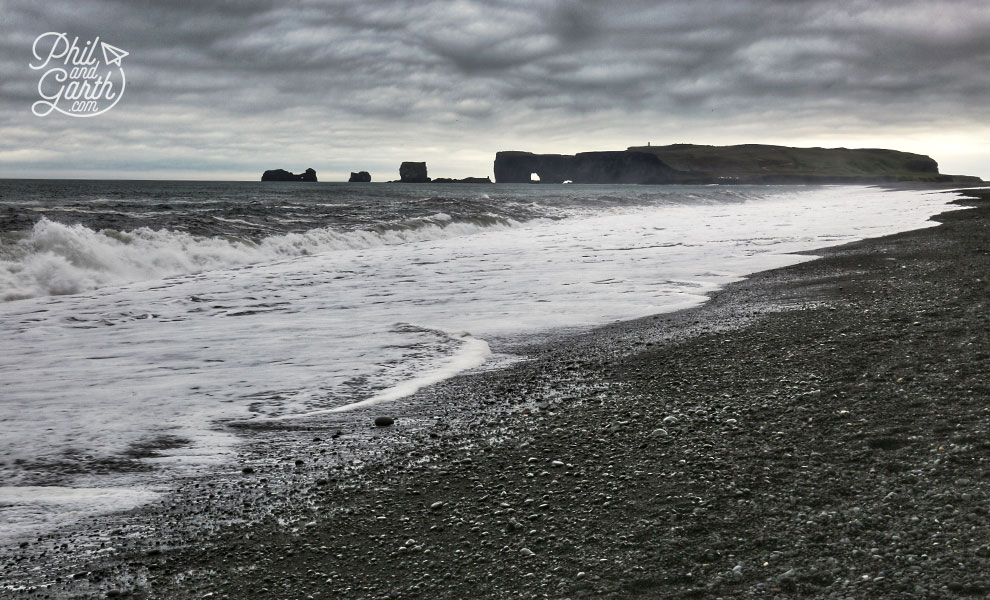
(814, 431)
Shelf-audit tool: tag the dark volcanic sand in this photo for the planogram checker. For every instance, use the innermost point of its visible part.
(814, 431)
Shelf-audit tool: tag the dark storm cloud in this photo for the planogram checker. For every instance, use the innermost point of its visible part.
(332, 77)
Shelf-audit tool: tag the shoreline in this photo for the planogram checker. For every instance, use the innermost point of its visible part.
(783, 459)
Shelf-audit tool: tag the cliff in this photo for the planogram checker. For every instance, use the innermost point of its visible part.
(744, 164)
(756, 163)
(283, 175)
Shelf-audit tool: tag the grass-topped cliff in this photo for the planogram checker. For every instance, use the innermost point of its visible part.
(755, 163)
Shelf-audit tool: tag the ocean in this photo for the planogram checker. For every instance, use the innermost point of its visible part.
(138, 320)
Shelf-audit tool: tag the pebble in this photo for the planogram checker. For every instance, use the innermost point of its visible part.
(669, 420)
(384, 421)
(527, 552)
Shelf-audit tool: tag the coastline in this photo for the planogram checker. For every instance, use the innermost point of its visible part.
(811, 430)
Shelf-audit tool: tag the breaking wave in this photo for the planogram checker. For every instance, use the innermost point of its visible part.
(56, 259)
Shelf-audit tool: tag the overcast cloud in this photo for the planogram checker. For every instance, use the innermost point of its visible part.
(227, 89)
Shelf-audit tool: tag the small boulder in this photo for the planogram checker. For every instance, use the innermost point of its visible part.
(464, 180)
(384, 421)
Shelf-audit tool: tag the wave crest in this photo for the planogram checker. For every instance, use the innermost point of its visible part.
(56, 259)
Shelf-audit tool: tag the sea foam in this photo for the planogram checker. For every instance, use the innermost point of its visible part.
(58, 259)
(308, 323)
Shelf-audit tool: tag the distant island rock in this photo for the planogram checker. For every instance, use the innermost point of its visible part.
(744, 164)
(413, 172)
(464, 180)
(283, 175)
(360, 177)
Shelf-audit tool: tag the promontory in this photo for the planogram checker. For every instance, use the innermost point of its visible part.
(744, 164)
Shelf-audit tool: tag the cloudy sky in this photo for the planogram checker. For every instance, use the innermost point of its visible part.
(226, 89)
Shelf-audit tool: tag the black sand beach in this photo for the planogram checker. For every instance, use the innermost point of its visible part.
(814, 431)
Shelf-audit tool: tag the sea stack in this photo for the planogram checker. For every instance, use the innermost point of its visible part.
(413, 172)
(283, 175)
(360, 177)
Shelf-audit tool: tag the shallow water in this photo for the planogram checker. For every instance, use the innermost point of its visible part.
(143, 316)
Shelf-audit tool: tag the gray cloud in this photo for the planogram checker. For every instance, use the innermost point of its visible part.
(228, 88)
